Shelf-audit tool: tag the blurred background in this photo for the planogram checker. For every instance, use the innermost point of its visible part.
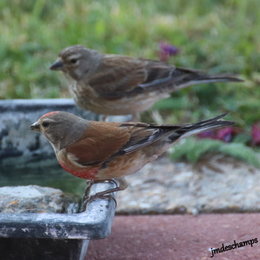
(216, 36)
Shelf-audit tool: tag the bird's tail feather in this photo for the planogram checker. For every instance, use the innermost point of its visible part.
(188, 77)
(181, 78)
(191, 129)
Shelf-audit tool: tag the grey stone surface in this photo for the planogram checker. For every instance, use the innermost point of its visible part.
(94, 222)
(36, 199)
(216, 184)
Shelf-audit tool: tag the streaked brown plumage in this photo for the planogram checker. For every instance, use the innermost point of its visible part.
(117, 85)
(106, 150)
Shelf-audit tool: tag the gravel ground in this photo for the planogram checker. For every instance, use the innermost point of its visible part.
(216, 184)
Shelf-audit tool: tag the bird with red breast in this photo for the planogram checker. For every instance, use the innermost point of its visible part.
(100, 151)
(110, 84)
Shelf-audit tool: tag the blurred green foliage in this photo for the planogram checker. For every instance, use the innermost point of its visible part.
(217, 36)
(191, 149)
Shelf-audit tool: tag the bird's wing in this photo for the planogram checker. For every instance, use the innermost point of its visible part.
(142, 135)
(119, 76)
(100, 141)
(104, 141)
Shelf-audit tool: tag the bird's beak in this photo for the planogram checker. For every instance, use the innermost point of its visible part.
(35, 126)
(57, 65)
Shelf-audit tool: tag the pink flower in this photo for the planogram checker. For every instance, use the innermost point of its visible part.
(207, 134)
(167, 50)
(226, 134)
(255, 133)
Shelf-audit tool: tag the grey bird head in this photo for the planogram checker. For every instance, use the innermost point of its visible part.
(77, 61)
(60, 128)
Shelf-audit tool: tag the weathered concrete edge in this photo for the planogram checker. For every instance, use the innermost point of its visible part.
(94, 223)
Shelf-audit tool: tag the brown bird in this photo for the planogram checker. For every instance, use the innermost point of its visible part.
(106, 150)
(118, 85)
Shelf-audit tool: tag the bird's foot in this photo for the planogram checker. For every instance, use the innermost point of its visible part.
(103, 194)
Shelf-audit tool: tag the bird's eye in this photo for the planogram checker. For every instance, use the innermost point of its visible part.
(73, 61)
(45, 124)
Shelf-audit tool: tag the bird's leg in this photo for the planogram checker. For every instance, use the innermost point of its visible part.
(104, 194)
(89, 183)
(86, 197)
(108, 180)
(121, 185)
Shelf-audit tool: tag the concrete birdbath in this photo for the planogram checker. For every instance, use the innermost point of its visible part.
(27, 159)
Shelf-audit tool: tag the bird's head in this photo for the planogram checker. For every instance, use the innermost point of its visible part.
(60, 128)
(77, 61)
